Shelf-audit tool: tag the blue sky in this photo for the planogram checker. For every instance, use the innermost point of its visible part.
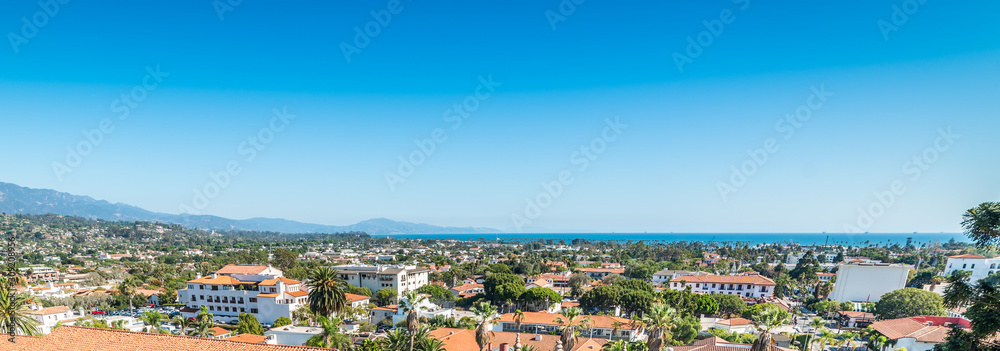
(555, 89)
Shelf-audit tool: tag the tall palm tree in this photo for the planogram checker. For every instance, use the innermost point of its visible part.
(182, 323)
(568, 322)
(14, 316)
(326, 293)
(486, 314)
(204, 322)
(431, 344)
(615, 327)
(412, 306)
(330, 337)
(154, 319)
(127, 289)
(766, 320)
(658, 321)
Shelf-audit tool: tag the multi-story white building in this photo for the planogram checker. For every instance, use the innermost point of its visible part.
(401, 278)
(867, 282)
(746, 285)
(234, 289)
(980, 266)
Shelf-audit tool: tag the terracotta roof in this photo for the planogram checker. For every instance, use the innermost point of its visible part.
(269, 282)
(725, 279)
(896, 329)
(217, 331)
(248, 338)
(268, 295)
(465, 340)
(67, 338)
(219, 280)
(603, 270)
(718, 344)
(356, 298)
(544, 318)
(299, 293)
(49, 310)
(241, 269)
(966, 256)
(858, 314)
(465, 287)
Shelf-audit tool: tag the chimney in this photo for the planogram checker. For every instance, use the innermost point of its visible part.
(214, 276)
(197, 275)
(504, 347)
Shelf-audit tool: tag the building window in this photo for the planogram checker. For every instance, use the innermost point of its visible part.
(963, 265)
(253, 300)
(211, 308)
(973, 266)
(253, 310)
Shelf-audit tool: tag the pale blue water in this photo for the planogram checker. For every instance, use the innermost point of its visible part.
(752, 238)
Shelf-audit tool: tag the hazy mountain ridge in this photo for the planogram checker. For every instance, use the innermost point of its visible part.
(22, 200)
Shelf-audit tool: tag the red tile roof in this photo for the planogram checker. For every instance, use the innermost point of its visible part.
(896, 329)
(247, 338)
(270, 282)
(725, 279)
(544, 318)
(966, 256)
(465, 340)
(735, 321)
(71, 338)
(241, 269)
(219, 280)
(355, 298)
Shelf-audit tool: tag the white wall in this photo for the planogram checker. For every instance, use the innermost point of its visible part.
(861, 283)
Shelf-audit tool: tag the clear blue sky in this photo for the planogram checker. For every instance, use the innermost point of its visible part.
(939, 68)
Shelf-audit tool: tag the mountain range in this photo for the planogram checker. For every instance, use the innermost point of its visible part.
(15, 199)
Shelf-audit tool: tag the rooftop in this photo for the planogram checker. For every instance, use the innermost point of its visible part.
(67, 338)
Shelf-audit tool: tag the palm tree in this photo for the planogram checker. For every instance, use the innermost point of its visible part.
(182, 323)
(203, 329)
(568, 337)
(615, 327)
(326, 296)
(412, 306)
(518, 319)
(849, 339)
(397, 340)
(658, 321)
(330, 337)
(14, 313)
(767, 320)
(486, 314)
(154, 319)
(127, 289)
(817, 323)
(431, 344)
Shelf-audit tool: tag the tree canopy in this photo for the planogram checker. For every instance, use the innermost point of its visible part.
(909, 302)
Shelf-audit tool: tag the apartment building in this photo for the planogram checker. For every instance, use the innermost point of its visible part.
(980, 266)
(259, 290)
(600, 273)
(400, 277)
(746, 285)
(39, 274)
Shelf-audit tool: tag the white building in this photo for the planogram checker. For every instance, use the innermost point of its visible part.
(234, 289)
(979, 266)
(746, 285)
(401, 278)
(666, 275)
(48, 317)
(868, 281)
(292, 335)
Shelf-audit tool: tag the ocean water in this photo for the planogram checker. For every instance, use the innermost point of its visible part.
(751, 238)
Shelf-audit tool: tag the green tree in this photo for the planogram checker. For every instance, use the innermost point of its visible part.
(577, 282)
(537, 297)
(248, 324)
(330, 336)
(640, 271)
(326, 296)
(438, 293)
(285, 259)
(386, 296)
(908, 302)
(729, 305)
(601, 298)
(358, 290)
(982, 224)
(155, 321)
(569, 324)
(503, 288)
(412, 305)
(282, 321)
